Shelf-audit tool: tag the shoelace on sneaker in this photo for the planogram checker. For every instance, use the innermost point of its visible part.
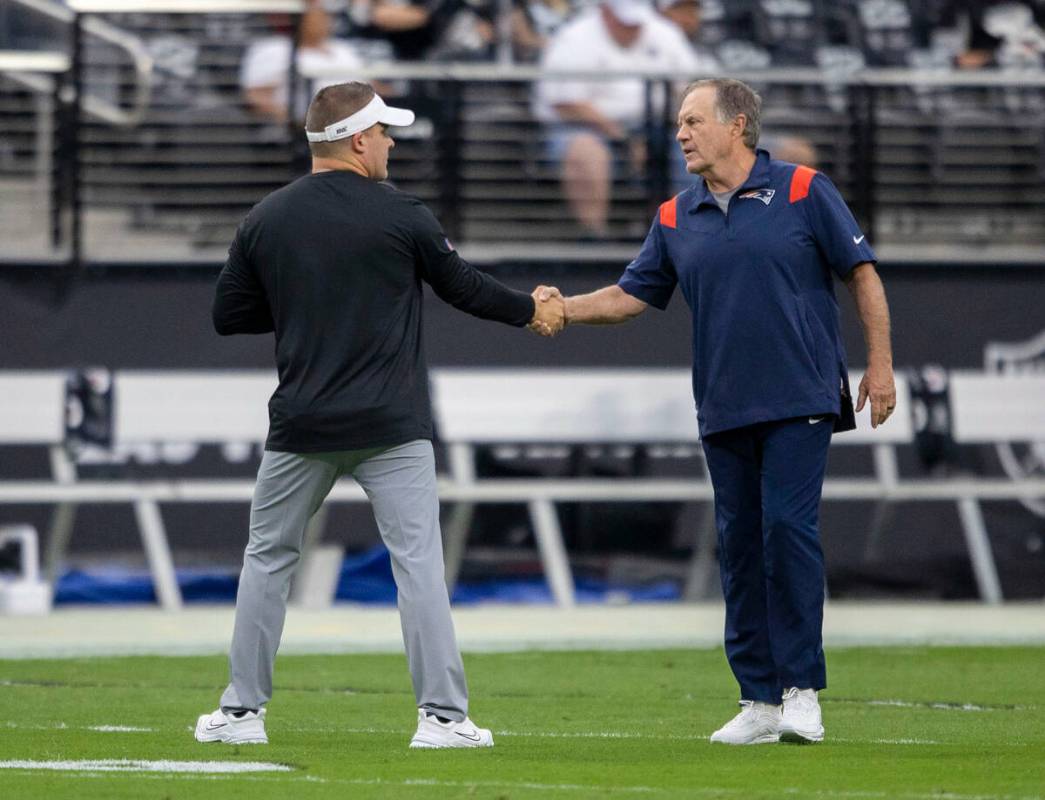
(799, 700)
(748, 710)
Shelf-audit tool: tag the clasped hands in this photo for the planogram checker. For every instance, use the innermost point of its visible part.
(549, 311)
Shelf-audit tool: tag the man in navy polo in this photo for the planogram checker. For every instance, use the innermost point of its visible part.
(753, 246)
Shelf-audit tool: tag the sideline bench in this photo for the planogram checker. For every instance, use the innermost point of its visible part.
(493, 406)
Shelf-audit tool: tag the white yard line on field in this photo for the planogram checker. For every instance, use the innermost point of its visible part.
(129, 765)
(119, 729)
(61, 726)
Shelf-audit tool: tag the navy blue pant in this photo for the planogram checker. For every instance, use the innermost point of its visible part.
(767, 479)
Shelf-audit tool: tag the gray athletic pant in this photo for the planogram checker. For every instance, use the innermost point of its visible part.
(400, 482)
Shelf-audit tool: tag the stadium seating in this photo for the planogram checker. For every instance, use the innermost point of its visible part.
(197, 159)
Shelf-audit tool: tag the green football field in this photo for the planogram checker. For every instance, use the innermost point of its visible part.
(948, 723)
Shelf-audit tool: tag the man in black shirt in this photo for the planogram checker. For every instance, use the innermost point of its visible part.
(334, 265)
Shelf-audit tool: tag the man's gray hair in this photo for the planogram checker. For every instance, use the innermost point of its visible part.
(733, 97)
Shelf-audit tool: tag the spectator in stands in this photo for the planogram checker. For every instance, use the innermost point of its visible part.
(413, 28)
(1000, 32)
(265, 69)
(471, 34)
(452, 30)
(887, 30)
(334, 265)
(720, 21)
(533, 24)
(790, 31)
(756, 241)
(586, 119)
(686, 15)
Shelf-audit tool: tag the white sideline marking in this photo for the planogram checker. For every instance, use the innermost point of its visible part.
(55, 726)
(119, 729)
(127, 765)
(61, 726)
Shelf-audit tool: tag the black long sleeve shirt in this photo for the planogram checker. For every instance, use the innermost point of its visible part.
(333, 264)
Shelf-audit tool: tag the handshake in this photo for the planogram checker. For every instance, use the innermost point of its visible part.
(549, 311)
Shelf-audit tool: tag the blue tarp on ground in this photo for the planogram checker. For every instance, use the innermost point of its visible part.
(365, 578)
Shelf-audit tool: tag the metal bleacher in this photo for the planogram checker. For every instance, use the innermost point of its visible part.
(199, 159)
(938, 164)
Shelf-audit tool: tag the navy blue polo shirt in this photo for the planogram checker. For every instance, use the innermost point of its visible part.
(758, 279)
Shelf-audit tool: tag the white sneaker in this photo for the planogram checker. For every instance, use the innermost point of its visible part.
(432, 733)
(757, 723)
(801, 719)
(221, 727)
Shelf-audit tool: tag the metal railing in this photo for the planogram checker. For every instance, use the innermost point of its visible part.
(33, 70)
(937, 165)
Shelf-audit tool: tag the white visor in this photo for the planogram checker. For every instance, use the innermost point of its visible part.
(372, 113)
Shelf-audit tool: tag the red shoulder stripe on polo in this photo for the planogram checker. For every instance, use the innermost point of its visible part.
(800, 180)
(668, 211)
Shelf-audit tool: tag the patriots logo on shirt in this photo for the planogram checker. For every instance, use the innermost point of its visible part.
(765, 195)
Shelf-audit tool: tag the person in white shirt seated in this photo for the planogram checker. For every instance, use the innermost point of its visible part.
(687, 14)
(265, 69)
(586, 119)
